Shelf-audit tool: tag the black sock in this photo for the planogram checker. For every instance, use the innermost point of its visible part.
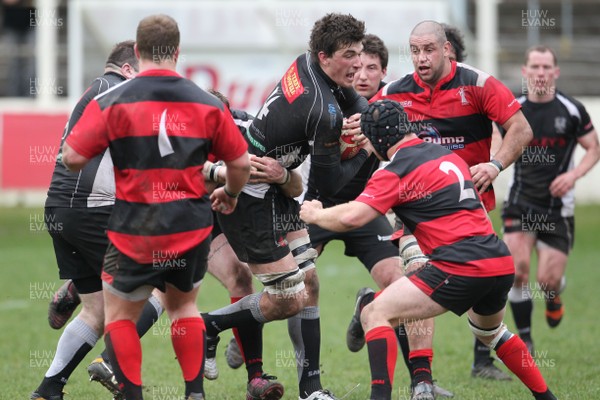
(245, 311)
(216, 324)
(403, 343)
(547, 395)
(421, 370)
(481, 353)
(53, 385)
(75, 342)
(251, 338)
(305, 331)
(150, 314)
(522, 311)
(377, 347)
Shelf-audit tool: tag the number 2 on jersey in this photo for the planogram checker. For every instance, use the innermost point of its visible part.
(447, 167)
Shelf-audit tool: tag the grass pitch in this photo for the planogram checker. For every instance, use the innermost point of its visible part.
(567, 355)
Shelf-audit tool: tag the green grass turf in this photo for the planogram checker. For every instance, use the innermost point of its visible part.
(567, 355)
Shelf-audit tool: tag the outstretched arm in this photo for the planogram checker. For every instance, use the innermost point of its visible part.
(341, 218)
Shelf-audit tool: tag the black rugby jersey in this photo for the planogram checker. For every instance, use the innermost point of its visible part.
(556, 127)
(94, 185)
(304, 115)
(353, 188)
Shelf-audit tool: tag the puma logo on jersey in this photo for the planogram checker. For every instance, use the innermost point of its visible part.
(164, 144)
(463, 97)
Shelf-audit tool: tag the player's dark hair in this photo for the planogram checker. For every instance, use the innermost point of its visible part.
(219, 96)
(335, 31)
(456, 39)
(540, 49)
(123, 53)
(157, 38)
(374, 46)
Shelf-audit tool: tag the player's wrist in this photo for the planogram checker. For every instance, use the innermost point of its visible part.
(498, 164)
(231, 194)
(287, 176)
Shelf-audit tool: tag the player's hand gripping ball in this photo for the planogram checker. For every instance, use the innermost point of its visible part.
(348, 147)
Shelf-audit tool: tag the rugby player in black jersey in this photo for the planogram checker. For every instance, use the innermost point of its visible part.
(539, 210)
(303, 115)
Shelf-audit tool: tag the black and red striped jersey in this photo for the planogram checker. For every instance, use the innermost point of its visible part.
(159, 128)
(94, 185)
(556, 125)
(430, 189)
(457, 113)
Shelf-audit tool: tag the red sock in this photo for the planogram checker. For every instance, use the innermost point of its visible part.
(515, 356)
(123, 340)
(377, 294)
(236, 334)
(188, 338)
(383, 352)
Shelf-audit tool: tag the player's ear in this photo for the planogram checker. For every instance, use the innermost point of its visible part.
(556, 72)
(323, 58)
(136, 51)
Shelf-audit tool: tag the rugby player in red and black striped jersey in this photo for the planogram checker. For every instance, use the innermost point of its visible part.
(454, 104)
(160, 129)
(470, 269)
(77, 210)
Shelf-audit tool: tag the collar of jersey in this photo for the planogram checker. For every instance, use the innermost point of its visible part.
(159, 72)
(320, 71)
(442, 81)
(411, 142)
(116, 75)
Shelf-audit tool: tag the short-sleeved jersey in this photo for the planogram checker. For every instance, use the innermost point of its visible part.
(430, 189)
(94, 185)
(160, 129)
(556, 127)
(304, 115)
(457, 113)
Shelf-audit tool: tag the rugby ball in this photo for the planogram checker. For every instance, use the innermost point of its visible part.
(348, 147)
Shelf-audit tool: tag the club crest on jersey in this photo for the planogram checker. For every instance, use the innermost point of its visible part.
(560, 124)
(463, 97)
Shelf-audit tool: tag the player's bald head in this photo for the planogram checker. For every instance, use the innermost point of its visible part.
(428, 27)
